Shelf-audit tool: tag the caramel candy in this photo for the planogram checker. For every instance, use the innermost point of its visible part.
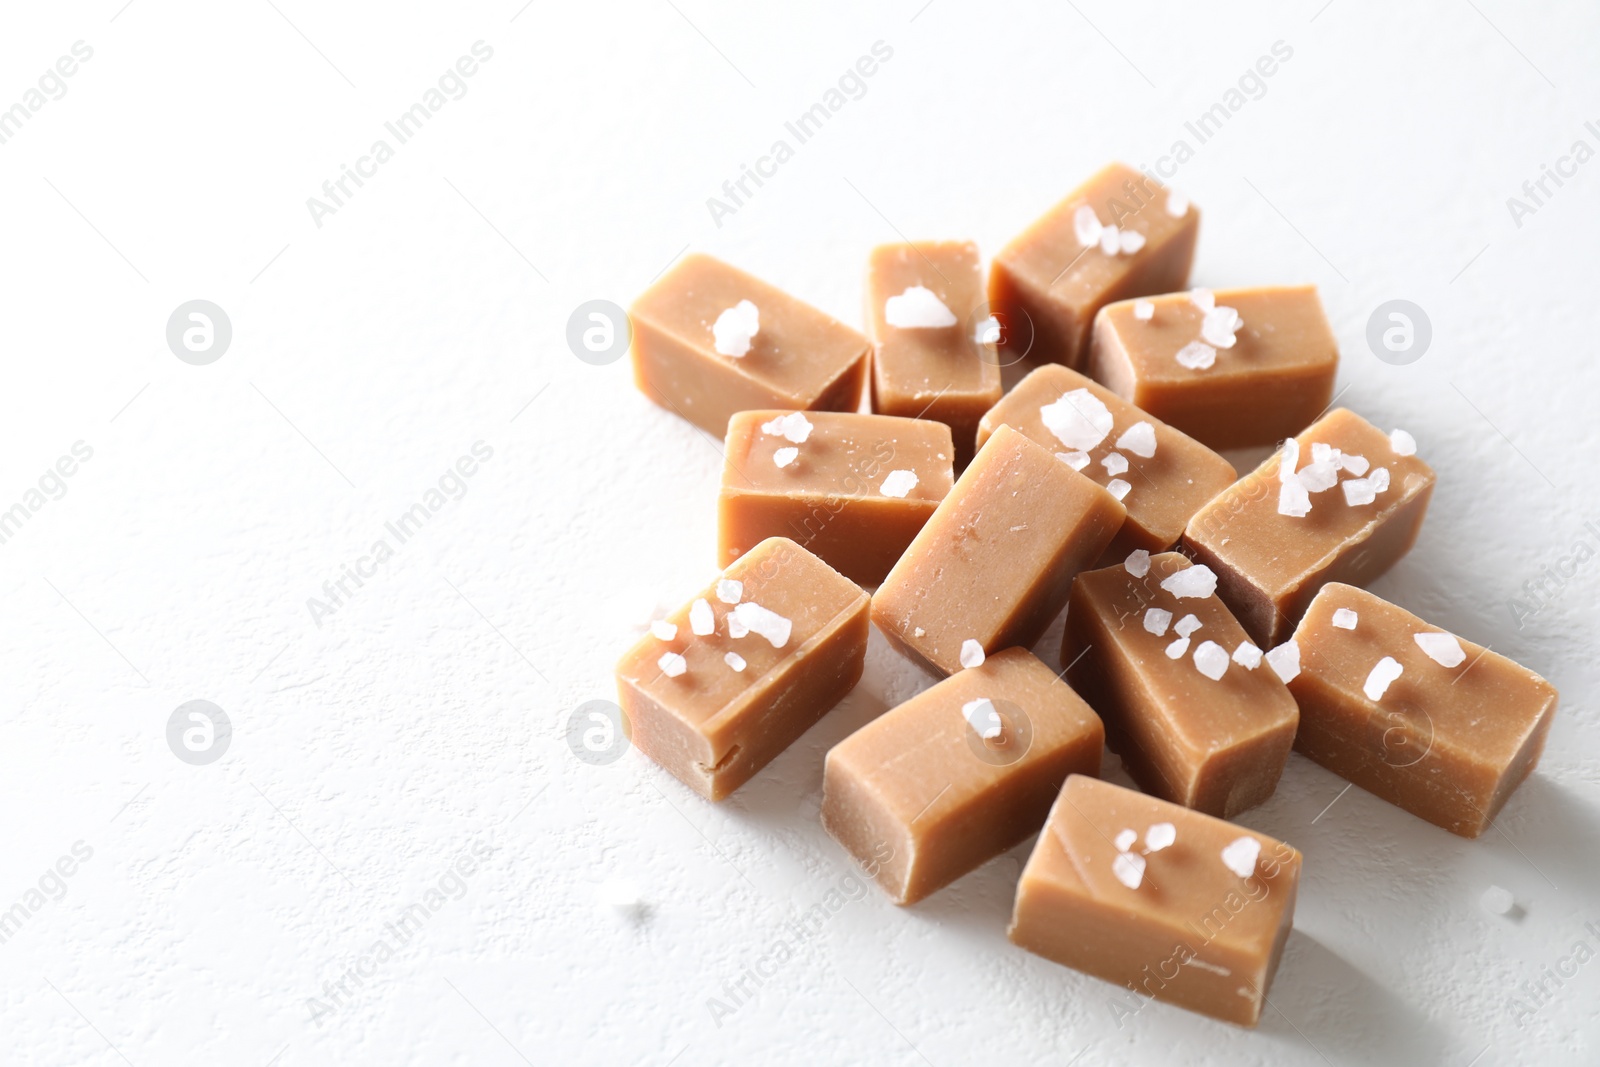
(1152, 651)
(694, 351)
(1118, 235)
(995, 562)
(853, 489)
(1162, 900)
(1441, 727)
(1274, 538)
(959, 773)
(1169, 476)
(929, 362)
(724, 684)
(1185, 358)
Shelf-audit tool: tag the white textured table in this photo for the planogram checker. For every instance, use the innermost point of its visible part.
(398, 812)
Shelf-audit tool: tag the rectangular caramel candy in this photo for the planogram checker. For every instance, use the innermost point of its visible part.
(797, 356)
(995, 562)
(1441, 727)
(853, 489)
(1162, 475)
(749, 666)
(1275, 539)
(1160, 900)
(1118, 235)
(1187, 359)
(929, 361)
(1151, 647)
(959, 773)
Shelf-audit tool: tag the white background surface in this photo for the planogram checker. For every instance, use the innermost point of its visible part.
(426, 716)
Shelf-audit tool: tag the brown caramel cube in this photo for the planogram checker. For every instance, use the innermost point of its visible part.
(1168, 475)
(753, 663)
(1441, 727)
(995, 562)
(959, 773)
(1046, 285)
(1168, 355)
(853, 489)
(1163, 901)
(928, 362)
(1153, 652)
(798, 357)
(1274, 540)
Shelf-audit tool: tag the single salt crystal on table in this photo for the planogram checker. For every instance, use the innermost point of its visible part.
(1177, 203)
(1247, 655)
(1086, 225)
(1203, 299)
(1402, 443)
(785, 456)
(1138, 562)
(1196, 355)
(1156, 620)
(918, 308)
(1110, 239)
(794, 426)
(1240, 856)
(701, 619)
(1076, 460)
(988, 332)
(1129, 869)
(763, 622)
(1211, 660)
(971, 654)
(1186, 626)
(735, 327)
(620, 895)
(672, 664)
(1125, 839)
(983, 719)
(1497, 901)
(1115, 463)
(1131, 241)
(1118, 488)
(1159, 836)
(1143, 310)
(1285, 661)
(1218, 327)
(734, 660)
(1385, 671)
(1177, 649)
(1079, 419)
(899, 483)
(1345, 619)
(1196, 581)
(1442, 648)
(664, 630)
(729, 590)
(1140, 439)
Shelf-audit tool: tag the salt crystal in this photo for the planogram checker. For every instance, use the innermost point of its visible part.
(1497, 901)
(1322, 452)
(734, 660)
(1442, 648)
(1177, 204)
(763, 622)
(1294, 500)
(1196, 581)
(983, 719)
(1118, 488)
(1076, 460)
(1143, 310)
(971, 654)
(988, 332)
(1357, 491)
(1345, 619)
(730, 590)
(1288, 459)
(1156, 620)
(1379, 479)
(1125, 839)
(736, 626)
(1086, 225)
(1402, 443)
(1385, 671)
(1285, 661)
(785, 456)
(1319, 476)
(1129, 869)
(1240, 856)
(1203, 299)
(794, 426)
(918, 308)
(735, 327)
(899, 483)
(620, 895)
(1356, 465)
(1218, 327)
(1196, 355)
(1110, 239)
(1247, 655)
(701, 619)
(1138, 562)
(664, 630)
(1140, 439)
(1211, 660)
(1115, 463)
(1132, 241)
(672, 664)
(1186, 626)
(1159, 836)
(1178, 648)
(1079, 419)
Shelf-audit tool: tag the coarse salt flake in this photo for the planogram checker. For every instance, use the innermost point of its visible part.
(918, 308)
(1211, 660)
(983, 718)
(1177, 204)
(1110, 239)
(1402, 443)
(1131, 241)
(1203, 299)
(899, 483)
(1119, 488)
(1129, 869)
(1076, 460)
(730, 590)
(785, 456)
(1345, 619)
(1240, 856)
(1356, 465)
(1497, 901)
(1193, 581)
(1125, 839)
(1086, 226)
(1079, 419)
(1178, 648)
(1285, 661)
(1386, 670)
(1156, 620)
(1442, 648)
(736, 661)
(702, 621)
(737, 627)
(664, 630)
(1294, 499)
(764, 623)
(1196, 355)
(1159, 836)
(987, 332)
(1140, 439)
(1115, 463)
(794, 427)
(1247, 655)
(1138, 562)
(1144, 310)
(971, 654)
(1186, 626)
(672, 664)
(1218, 327)
(735, 327)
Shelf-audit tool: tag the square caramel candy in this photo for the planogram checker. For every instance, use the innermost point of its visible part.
(1232, 369)
(995, 562)
(930, 360)
(853, 489)
(710, 340)
(1163, 901)
(724, 684)
(1342, 502)
(1441, 727)
(959, 773)
(1152, 649)
(1161, 475)
(1118, 235)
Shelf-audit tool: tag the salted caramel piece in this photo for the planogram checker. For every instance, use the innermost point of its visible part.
(1161, 900)
(1232, 369)
(1154, 653)
(1436, 725)
(930, 360)
(710, 340)
(1168, 475)
(959, 773)
(1274, 537)
(995, 562)
(1116, 236)
(738, 682)
(853, 489)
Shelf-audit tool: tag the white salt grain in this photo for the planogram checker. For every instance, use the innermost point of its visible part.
(1196, 355)
(1086, 226)
(736, 626)
(734, 660)
(971, 654)
(763, 622)
(1402, 443)
(1203, 299)
(1156, 620)
(702, 622)
(1143, 310)
(1379, 479)
(899, 483)
(1118, 488)
(1076, 460)
(785, 456)
(1294, 499)
(1138, 562)
(1125, 839)
(988, 332)
(1385, 671)
(672, 664)
(1211, 660)
(1218, 327)
(1319, 476)
(1177, 204)
(1079, 419)
(1247, 655)
(1285, 661)
(734, 328)
(1132, 241)
(1129, 869)
(1115, 463)
(1186, 626)
(664, 630)
(1356, 465)
(1240, 856)
(730, 590)
(983, 719)
(1140, 439)
(1442, 648)
(918, 308)
(1357, 492)
(1159, 836)
(1195, 581)
(1178, 648)
(1345, 619)
(1497, 901)
(794, 426)
(1110, 239)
